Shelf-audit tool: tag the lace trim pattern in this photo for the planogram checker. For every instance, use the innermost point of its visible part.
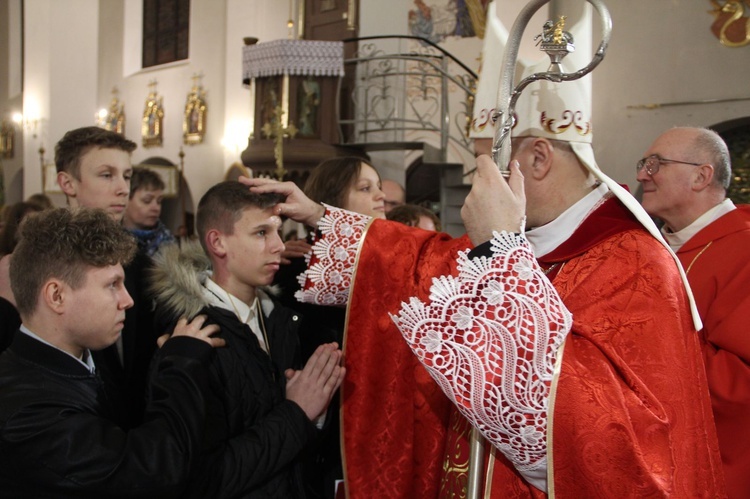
(331, 263)
(490, 337)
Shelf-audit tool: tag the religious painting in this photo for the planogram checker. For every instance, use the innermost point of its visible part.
(270, 90)
(436, 20)
(153, 119)
(732, 22)
(308, 102)
(7, 137)
(194, 121)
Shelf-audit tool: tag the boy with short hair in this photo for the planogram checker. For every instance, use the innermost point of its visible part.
(57, 431)
(261, 417)
(94, 171)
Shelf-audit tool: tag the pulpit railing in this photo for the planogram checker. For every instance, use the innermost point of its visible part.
(404, 89)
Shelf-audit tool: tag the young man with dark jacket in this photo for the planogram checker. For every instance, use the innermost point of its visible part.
(262, 412)
(58, 437)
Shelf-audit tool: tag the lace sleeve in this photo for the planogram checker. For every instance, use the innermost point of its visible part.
(490, 338)
(331, 263)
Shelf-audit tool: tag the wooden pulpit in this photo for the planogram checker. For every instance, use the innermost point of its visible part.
(295, 87)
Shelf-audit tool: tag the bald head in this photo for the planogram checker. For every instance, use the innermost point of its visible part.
(394, 194)
(692, 175)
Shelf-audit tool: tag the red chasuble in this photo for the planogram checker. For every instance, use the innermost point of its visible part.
(629, 414)
(717, 262)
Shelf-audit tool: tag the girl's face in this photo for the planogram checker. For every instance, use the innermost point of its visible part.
(365, 196)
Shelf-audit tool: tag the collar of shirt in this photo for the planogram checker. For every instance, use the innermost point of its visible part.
(88, 364)
(677, 239)
(219, 297)
(546, 238)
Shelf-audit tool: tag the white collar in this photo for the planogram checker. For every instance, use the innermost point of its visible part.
(548, 237)
(677, 239)
(217, 296)
(88, 364)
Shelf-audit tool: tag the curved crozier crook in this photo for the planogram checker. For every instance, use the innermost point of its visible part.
(508, 95)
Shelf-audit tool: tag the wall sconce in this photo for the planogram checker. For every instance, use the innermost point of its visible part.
(29, 123)
(236, 135)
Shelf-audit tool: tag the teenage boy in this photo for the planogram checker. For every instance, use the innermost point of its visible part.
(58, 437)
(94, 171)
(262, 413)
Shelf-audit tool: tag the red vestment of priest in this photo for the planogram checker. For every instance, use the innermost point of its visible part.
(629, 412)
(717, 262)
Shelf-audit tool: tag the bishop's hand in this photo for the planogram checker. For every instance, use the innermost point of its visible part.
(494, 204)
(297, 206)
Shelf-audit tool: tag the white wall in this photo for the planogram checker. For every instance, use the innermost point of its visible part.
(662, 52)
(75, 53)
(59, 88)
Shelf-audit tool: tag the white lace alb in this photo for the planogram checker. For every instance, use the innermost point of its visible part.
(490, 338)
(330, 266)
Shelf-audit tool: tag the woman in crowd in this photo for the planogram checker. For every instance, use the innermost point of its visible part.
(144, 209)
(353, 184)
(14, 216)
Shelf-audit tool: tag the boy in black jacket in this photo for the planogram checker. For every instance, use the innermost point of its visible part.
(57, 432)
(261, 416)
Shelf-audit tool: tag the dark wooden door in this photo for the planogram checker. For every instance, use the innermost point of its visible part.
(336, 20)
(331, 19)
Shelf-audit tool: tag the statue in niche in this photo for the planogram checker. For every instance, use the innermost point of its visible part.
(153, 119)
(194, 120)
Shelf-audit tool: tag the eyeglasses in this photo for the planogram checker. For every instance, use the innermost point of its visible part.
(653, 162)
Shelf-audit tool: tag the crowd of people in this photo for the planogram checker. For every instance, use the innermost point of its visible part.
(597, 355)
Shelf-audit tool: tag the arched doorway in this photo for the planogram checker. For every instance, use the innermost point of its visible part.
(736, 133)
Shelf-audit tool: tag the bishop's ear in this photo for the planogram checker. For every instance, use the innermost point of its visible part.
(543, 152)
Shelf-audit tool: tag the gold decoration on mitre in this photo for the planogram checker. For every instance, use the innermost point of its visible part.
(557, 111)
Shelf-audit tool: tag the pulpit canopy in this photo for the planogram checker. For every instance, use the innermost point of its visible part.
(292, 57)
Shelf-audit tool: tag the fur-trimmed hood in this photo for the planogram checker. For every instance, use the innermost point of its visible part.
(176, 278)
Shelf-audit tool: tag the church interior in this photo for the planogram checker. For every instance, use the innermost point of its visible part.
(392, 79)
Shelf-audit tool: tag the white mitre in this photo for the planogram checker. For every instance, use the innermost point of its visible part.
(485, 99)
